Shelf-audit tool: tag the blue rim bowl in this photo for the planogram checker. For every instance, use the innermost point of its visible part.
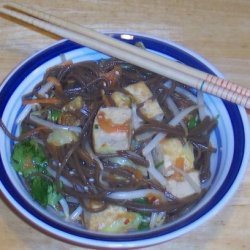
(228, 164)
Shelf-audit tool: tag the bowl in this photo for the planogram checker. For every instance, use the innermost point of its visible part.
(228, 164)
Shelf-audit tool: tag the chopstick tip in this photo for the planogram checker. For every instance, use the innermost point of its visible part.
(9, 5)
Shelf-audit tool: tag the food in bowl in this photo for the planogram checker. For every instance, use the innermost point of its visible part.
(113, 147)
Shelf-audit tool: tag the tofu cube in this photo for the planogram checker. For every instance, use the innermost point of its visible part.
(152, 110)
(98, 221)
(112, 130)
(182, 189)
(139, 91)
(121, 100)
(169, 150)
(114, 219)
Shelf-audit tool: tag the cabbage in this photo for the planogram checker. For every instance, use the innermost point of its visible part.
(60, 137)
(125, 222)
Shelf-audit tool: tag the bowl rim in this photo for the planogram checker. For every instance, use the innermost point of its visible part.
(161, 238)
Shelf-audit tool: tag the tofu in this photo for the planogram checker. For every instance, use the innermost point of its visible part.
(152, 110)
(112, 130)
(98, 221)
(139, 91)
(114, 219)
(142, 95)
(169, 150)
(182, 189)
(121, 100)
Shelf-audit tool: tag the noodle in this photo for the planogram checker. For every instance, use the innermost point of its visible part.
(70, 133)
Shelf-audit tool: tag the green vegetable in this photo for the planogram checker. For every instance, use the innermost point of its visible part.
(145, 219)
(53, 115)
(144, 225)
(44, 192)
(53, 196)
(124, 223)
(142, 200)
(29, 157)
(60, 137)
(39, 189)
(159, 164)
(193, 121)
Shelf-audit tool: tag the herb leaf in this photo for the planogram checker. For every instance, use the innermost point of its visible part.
(193, 122)
(28, 157)
(39, 188)
(44, 191)
(54, 115)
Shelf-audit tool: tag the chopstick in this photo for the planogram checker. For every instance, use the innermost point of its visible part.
(132, 49)
(142, 58)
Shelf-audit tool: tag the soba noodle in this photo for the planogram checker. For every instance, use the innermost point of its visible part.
(96, 145)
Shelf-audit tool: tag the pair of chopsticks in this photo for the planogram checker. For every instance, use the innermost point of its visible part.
(192, 77)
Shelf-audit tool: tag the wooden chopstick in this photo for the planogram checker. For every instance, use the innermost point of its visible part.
(132, 49)
(131, 54)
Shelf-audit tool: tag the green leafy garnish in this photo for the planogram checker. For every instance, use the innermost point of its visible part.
(193, 122)
(44, 191)
(53, 196)
(159, 164)
(53, 115)
(28, 157)
(142, 200)
(145, 222)
(39, 188)
(144, 225)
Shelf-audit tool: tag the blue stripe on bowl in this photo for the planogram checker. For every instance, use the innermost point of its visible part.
(161, 47)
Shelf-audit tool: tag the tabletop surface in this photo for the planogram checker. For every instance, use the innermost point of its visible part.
(219, 30)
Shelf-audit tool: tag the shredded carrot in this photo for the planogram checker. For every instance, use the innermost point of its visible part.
(54, 101)
(108, 126)
(179, 163)
(138, 174)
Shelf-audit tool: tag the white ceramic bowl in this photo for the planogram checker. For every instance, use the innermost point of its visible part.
(228, 164)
